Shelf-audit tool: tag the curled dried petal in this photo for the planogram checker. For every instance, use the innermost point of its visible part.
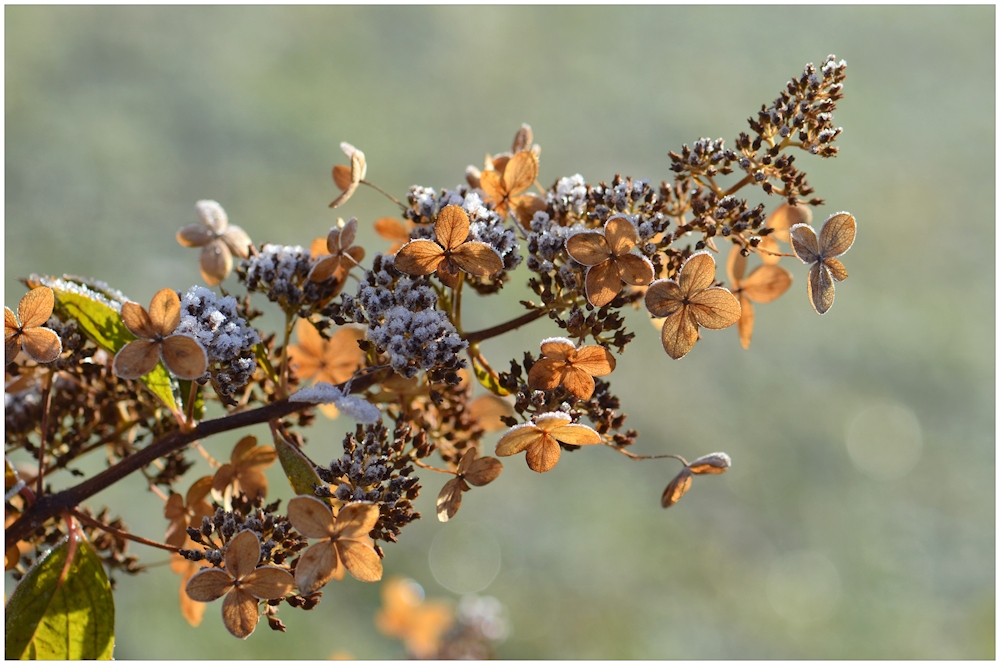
(676, 488)
(713, 463)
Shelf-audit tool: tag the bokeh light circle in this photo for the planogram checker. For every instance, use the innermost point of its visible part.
(464, 558)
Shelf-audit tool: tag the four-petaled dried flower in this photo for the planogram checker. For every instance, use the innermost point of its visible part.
(405, 615)
(610, 259)
(504, 188)
(245, 469)
(541, 439)
(242, 582)
(183, 355)
(394, 230)
(219, 241)
(689, 302)
(25, 330)
(346, 178)
(835, 238)
(345, 543)
(470, 471)
(764, 284)
(185, 511)
(333, 360)
(452, 251)
(341, 255)
(781, 220)
(574, 368)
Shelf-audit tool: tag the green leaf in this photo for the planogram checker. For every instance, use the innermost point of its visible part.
(105, 327)
(300, 471)
(63, 608)
(488, 379)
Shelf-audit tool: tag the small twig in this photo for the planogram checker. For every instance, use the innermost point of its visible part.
(43, 428)
(643, 457)
(513, 324)
(384, 193)
(432, 468)
(86, 519)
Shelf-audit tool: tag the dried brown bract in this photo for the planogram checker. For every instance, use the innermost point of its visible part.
(780, 221)
(346, 178)
(242, 582)
(187, 511)
(564, 364)
(835, 238)
(333, 360)
(218, 239)
(392, 229)
(341, 254)
(676, 488)
(452, 252)
(245, 469)
(610, 260)
(711, 464)
(503, 187)
(183, 355)
(26, 330)
(689, 302)
(472, 470)
(764, 284)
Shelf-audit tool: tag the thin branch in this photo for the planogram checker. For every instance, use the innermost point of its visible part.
(87, 519)
(495, 331)
(46, 406)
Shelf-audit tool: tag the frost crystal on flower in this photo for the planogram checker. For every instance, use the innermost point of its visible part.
(570, 194)
(277, 271)
(403, 321)
(94, 289)
(355, 407)
(228, 340)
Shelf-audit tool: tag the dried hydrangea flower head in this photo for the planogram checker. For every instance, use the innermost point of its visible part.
(573, 368)
(452, 251)
(245, 468)
(504, 187)
(345, 542)
(780, 221)
(26, 331)
(188, 510)
(472, 470)
(333, 360)
(610, 260)
(541, 439)
(218, 239)
(764, 284)
(689, 302)
(242, 582)
(406, 616)
(348, 178)
(394, 230)
(341, 255)
(835, 238)
(183, 355)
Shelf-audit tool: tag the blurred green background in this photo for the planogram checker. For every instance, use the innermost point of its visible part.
(858, 518)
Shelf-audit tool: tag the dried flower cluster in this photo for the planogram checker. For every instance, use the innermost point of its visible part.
(378, 338)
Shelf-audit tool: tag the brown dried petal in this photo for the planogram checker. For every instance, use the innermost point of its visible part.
(621, 235)
(238, 241)
(215, 262)
(137, 321)
(766, 283)
(11, 347)
(252, 482)
(477, 258)
(136, 359)
(804, 243)
(35, 307)
(520, 172)
(342, 176)
(588, 247)
(208, 584)
(745, 324)
(223, 477)
(212, 215)
(243, 448)
(549, 421)
(836, 268)
(785, 217)
(697, 273)
(319, 564)
(525, 207)
(311, 517)
(419, 257)
(268, 582)
(191, 610)
(578, 382)
(517, 439)
(360, 560)
(837, 235)
(184, 356)
(165, 311)
(10, 324)
(239, 613)
(768, 249)
(41, 344)
(558, 348)
(676, 489)
(715, 308)
(679, 334)
(604, 282)
(452, 227)
(820, 288)
(195, 235)
(356, 520)
(635, 269)
(713, 463)
(663, 297)
(347, 234)
(543, 454)
(242, 554)
(577, 435)
(483, 471)
(391, 229)
(450, 499)
(487, 409)
(736, 266)
(522, 139)
(594, 360)
(546, 374)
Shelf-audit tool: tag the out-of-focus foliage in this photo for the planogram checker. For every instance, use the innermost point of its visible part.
(857, 520)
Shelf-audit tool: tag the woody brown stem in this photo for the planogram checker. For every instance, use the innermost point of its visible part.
(51, 505)
(513, 324)
(87, 519)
